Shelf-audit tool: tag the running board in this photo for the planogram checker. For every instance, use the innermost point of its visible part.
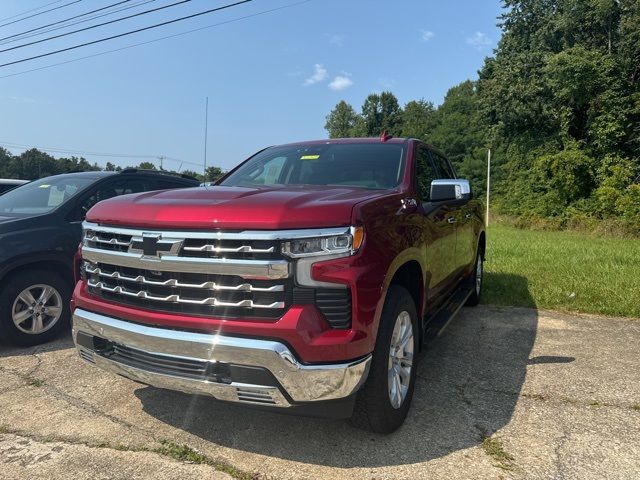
(435, 325)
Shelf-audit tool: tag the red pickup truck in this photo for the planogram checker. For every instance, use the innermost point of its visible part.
(305, 281)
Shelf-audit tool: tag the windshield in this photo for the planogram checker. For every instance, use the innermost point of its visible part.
(42, 196)
(365, 165)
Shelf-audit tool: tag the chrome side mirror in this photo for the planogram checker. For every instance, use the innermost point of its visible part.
(450, 189)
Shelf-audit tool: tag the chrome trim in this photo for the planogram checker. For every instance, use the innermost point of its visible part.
(241, 249)
(303, 383)
(220, 391)
(111, 241)
(214, 302)
(249, 269)
(462, 187)
(222, 235)
(244, 287)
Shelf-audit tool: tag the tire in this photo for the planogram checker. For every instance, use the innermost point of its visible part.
(374, 408)
(25, 324)
(477, 279)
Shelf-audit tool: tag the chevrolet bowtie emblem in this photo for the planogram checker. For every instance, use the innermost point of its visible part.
(152, 245)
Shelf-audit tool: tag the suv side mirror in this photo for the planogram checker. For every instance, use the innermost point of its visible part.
(450, 189)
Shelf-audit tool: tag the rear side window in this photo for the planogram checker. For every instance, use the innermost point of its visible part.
(443, 168)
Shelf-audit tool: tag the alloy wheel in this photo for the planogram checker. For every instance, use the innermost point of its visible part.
(400, 359)
(37, 309)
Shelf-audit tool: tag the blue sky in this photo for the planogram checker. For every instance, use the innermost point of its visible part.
(270, 79)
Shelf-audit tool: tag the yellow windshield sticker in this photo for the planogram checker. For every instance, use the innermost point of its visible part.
(309, 157)
(44, 186)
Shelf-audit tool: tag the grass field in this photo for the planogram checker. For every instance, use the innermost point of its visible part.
(562, 271)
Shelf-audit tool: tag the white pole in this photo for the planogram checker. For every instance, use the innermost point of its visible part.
(486, 217)
(206, 128)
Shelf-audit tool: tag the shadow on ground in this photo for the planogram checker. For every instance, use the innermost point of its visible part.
(469, 382)
(61, 343)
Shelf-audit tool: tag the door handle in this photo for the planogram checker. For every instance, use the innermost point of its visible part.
(451, 220)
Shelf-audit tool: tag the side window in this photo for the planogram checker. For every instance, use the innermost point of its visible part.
(444, 170)
(168, 185)
(109, 190)
(424, 173)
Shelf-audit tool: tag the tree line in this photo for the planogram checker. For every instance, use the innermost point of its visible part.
(34, 164)
(558, 103)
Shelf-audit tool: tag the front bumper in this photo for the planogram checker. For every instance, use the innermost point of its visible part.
(245, 370)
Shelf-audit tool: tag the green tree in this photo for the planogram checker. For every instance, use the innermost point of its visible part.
(341, 121)
(213, 173)
(419, 119)
(382, 112)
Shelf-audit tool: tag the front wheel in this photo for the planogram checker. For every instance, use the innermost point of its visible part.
(383, 403)
(34, 307)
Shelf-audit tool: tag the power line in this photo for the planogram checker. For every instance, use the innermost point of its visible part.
(30, 10)
(91, 27)
(66, 20)
(233, 20)
(25, 35)
(40, 13)
(95, 154)
(175, 20)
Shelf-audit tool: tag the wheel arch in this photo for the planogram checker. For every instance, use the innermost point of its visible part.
(408, 271)
(52, 263)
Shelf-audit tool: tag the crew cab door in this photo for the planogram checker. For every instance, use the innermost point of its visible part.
(463, 212)
(438, 221)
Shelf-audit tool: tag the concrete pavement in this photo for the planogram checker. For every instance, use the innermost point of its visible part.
(503, 393)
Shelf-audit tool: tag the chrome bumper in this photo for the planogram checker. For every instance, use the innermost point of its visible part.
(297, 383)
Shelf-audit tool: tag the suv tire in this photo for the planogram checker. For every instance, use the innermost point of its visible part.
(382, 405)
(34, 307)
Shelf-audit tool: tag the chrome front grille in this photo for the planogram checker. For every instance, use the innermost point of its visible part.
(195, 273)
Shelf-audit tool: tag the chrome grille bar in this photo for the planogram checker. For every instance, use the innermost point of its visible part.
(111, 241)
(221, 235)
(249, 269)
(245, 287)
(177, 299)
(241, 249)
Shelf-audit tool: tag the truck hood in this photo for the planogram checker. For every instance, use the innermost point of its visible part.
(234, 208)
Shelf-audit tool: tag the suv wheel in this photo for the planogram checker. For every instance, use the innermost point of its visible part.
(384, 401)
(476, 278)
(34, 307)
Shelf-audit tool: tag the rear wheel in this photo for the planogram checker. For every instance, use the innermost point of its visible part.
(34, 307)
(477, 277)
(383, 403)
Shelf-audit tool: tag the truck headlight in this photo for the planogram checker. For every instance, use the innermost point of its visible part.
(346, 243)
(307, 251)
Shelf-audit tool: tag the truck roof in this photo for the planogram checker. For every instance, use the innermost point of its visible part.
(348, 140)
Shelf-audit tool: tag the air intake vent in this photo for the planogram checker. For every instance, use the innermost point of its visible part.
(255, 395)
(335, 304)
(88, 356)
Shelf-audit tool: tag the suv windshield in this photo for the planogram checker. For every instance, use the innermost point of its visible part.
(364, 165)
(43, 195)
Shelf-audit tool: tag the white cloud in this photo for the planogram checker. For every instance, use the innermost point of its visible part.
(479, 41)
(341, 82)
(427, 35)
(319, 74)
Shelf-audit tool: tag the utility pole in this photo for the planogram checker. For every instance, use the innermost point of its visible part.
(206, 126)
(486, 217)
(161, 158)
